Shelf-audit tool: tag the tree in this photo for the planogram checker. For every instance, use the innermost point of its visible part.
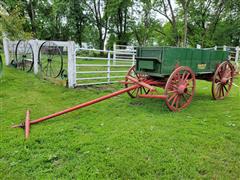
(119, 23)
(12, 25)
(165, 8)
(185, 7)
(143, 24)
(203, 20)
(100, 18)
(77, 19)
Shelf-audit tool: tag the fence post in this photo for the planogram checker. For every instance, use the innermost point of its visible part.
(198, 46)
(237, 55)
(109, 67)
(215, 48)
(35, 54)
(133, 59)
(114, 53)
(224, 48)
(6, 50)
(71, 64)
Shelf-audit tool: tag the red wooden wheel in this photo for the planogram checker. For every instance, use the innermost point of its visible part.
(135, 92)
(180, 88)
(222, 80)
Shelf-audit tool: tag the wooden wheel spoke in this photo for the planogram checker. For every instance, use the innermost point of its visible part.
(186, 100)
(174, 86)
(137, 91)
(187, 76)
(183, 75)
(225, 88)
(169, 92)
(218, 91)
(189, 80)
(177, 101)
(172, 97)
(133, 90)
(146, 92)
(174, 100)
(219, 75)
(190, 94)
(222, 90)
(136, 74)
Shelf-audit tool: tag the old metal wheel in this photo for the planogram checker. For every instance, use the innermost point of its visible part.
(180, 88)
(24, 56)
(135, 92)
(222, 80)
(50, 59)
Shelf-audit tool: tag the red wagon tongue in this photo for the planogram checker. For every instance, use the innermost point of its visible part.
(26, 125)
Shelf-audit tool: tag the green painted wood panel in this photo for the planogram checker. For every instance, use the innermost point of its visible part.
(199, 60)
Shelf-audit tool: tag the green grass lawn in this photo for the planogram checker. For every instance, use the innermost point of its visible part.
(120, 138)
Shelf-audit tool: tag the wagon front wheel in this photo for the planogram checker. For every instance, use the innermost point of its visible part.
(140, 77)
(180, 88)
(222, 80)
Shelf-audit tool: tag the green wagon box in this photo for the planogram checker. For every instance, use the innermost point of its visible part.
(161, 61)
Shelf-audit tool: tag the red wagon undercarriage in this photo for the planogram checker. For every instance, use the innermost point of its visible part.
(178, 88)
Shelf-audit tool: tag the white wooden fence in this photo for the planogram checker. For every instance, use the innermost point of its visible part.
(82, 69)
(10, 46)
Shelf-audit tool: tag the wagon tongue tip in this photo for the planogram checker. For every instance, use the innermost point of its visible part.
(18, 126)
(25, 125)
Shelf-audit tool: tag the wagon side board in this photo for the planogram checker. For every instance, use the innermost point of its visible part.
(161, 61)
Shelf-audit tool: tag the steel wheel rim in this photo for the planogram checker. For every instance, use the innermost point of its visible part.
(180, 88)
(222, 81)
(135, 92)
(50, 59)
(24, 56)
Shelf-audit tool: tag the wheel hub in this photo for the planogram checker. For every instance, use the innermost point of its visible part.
(182, 89)
(224, 80)
(49, 60)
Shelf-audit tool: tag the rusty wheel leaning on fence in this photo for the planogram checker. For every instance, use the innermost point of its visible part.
(50, 59)
(222, 80)
(24, 56)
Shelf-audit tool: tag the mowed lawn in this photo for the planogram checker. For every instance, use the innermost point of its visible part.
(120, 138)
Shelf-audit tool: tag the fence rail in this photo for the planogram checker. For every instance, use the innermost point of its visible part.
(109, 69)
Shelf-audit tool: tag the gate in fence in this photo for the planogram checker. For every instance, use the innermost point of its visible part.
(101, 66)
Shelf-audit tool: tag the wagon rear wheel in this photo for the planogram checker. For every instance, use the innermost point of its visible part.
(180, 88)
(135, 92)
(222, 80)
